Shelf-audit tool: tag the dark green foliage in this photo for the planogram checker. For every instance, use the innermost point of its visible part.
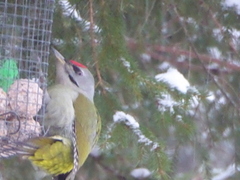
(16, 168)
(192, 131)
(132, 88)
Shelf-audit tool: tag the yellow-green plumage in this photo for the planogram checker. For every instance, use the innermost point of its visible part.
(53, 154)
(87, 126)
(72, 124)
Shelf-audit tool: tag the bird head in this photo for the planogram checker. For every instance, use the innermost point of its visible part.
(74, 75)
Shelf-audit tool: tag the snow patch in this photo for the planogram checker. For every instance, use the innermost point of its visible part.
(166, 103)
(70, 11)
(120, 116)
(215, 52)
(164, 66)
(140, 173)
(145, 57)
(128, 120)
(127, 65)
(232, 3)
(224, 174)
(211, 96)
(96, 152)
(174, 79)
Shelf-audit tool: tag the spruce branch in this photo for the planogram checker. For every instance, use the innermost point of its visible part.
(94, 45)
(129, 121)
(232, 101)
(219, 25)
(71, 11)
(110, 170)
(155, 52)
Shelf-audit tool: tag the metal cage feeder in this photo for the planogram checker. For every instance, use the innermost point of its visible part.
(25, 34)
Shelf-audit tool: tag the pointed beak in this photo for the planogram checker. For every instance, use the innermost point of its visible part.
(60, 58)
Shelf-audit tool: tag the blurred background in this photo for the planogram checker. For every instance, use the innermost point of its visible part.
(171, 67)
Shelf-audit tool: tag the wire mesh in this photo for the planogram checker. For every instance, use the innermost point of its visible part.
(25, 34)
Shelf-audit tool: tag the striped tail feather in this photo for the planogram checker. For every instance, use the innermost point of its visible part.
(10, 147)
(51, 154)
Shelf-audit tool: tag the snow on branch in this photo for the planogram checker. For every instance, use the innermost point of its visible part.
(140, 173)
(70, 11)
(127, 65)
(128, 120)
(174, 79)
(223, 174)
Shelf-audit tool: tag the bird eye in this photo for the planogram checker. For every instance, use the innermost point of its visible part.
(77, 70)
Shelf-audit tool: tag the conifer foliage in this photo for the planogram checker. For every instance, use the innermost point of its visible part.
(167, 82)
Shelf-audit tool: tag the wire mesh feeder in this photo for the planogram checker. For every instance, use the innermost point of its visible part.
(25, 33)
